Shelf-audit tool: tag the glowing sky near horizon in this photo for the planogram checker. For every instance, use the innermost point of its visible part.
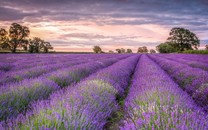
(78, 25)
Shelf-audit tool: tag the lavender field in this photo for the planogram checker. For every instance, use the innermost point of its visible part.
(103, 91)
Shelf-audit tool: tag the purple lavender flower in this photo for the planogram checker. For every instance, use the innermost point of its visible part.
(156, 102)
(86, 105)
(190, 79)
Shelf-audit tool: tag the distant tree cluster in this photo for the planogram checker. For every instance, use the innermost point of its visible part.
(152, 51)
(179, 40)
(122, 50)
(142, 50)
(128, 50)
(110, 51)
(97, 49)
(166, 48)
(18, 37)
(145, 50)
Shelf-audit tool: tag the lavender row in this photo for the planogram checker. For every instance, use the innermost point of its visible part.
(87, 105)
(192, 80)
(15, 98)
(156, 102)
(195, 64)
(25, 61)
(28, 61)
(16, 76)
(193, 57)
(53, 60)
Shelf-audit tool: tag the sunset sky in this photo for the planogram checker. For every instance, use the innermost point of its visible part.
(78, 25)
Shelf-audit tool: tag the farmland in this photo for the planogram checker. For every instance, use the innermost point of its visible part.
(104, 91)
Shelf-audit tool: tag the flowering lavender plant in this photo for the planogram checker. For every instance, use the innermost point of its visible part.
(156, 102)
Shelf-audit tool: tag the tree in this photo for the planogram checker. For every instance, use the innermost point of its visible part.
(37, 45)
(118, 50)
(183, 39)
(46, 46)
(18, 35)
(4, 39)
(25, 44)
(206, 47)
(129, 51)
(123, 50)
(97, 49)
(110, 51)
(152, 51)
(142, 49)
(166, 48)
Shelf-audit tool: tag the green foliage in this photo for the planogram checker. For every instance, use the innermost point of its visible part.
(17, 37)
(166, 48)
(183, 39)
(196, 51)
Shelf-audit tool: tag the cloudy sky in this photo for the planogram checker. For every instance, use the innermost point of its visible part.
(78, 25)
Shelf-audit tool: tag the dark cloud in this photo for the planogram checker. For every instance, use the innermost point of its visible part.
(96, 36)
(171, 12)
(7, 14)
(192, 14)
(112, 43)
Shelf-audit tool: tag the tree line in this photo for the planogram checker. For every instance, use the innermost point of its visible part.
(97, 49)
(179, 40)
(18, 37)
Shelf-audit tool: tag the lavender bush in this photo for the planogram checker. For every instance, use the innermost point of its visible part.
(84, 106)
(156, 102)
(16, 97)
(193, 80)
(195, 64)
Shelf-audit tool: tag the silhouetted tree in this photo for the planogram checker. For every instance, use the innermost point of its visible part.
(118, 50)
(46, 46)
(166, 48)
(97, 49)
(4, 39)
(183, 39)
(123, 50)
(35, 45)
(152, 51)
(129, 51)
(110, 51)
(18, 35)
(142, 49)
(25, 44)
